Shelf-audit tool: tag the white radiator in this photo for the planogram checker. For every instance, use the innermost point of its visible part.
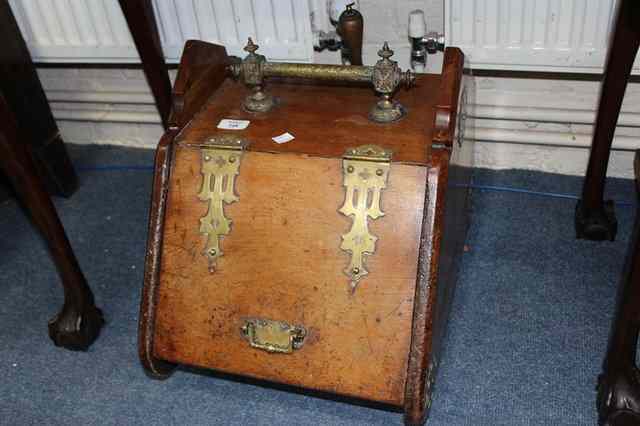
(532, 35)
(96, 31)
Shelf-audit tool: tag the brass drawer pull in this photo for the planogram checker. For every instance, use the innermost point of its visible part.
(273, 336)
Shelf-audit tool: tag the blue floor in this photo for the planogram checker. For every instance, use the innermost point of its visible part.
(526, 339)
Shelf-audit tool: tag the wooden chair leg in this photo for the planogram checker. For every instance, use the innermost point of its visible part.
(619, 384)
(78, 323)
(142, 24)
(595, 218)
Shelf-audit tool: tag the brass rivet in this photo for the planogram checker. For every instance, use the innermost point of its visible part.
(356, 270)
(350, 169)
(232, 159)
(207, 158)
(212, 252)
(379, 172)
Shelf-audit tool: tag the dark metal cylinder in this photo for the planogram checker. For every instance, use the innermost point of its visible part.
(350, 28)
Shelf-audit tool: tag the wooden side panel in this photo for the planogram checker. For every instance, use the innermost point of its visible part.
(282, 261)
(443, 234)
(202, 71)
(417, 398)
(446, 109)
(457, 211)
(154, 367)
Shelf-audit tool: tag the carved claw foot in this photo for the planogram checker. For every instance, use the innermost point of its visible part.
(596, 225)
(619, 397)
(76, 329)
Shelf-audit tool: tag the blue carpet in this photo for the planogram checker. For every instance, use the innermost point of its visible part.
(527, 334)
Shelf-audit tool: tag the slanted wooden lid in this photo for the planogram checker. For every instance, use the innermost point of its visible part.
(325, 120)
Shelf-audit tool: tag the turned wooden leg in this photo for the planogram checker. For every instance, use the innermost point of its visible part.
(78, 323)
(594, 218)
(619, 384)
(142, 24)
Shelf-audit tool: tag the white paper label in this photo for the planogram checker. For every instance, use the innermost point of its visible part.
(231, 124)
(283, 138)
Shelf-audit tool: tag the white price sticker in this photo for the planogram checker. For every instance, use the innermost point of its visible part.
(283, 138)
(231, 124)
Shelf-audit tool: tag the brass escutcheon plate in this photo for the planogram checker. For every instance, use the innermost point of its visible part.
(273, 336)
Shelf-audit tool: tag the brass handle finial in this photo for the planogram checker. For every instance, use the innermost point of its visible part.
(385, 52)
(251, 47)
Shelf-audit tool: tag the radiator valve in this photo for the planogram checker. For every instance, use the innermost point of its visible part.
(422, 43)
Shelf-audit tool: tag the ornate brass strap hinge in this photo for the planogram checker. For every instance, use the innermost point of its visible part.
(365, 170)
(220, 165)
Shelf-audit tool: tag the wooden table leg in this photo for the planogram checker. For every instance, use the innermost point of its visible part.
(23, 92)
(619, 384)
(78, 323)
(595, 218)
(142, 24)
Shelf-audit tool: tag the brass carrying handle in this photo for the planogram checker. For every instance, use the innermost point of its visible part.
(385, 77)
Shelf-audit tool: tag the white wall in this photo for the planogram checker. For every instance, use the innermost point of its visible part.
(519, 118)
(515, 117)
(112, 106)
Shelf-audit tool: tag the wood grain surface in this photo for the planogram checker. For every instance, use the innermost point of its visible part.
(324, 120)
(282, 261)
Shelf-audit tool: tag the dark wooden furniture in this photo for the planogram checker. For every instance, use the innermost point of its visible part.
(618, 399)
(619, 383)
(34, 160)
(143, 27)
(595, 218)
(380, 343)
(21, 89)
(78, 323)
